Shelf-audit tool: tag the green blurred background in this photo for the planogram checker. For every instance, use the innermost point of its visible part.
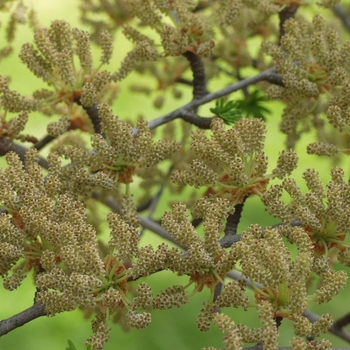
(170, 329)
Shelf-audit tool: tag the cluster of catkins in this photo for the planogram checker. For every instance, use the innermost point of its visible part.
(47, 230)
(44, 225)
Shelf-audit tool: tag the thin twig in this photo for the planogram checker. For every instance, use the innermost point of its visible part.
(144, 206)
(155, 200)
(245, 89)
(43, 142)
(149, 224)
(308, 314)
(184, 81)
(225, 242)
(338, 332)
(275, 79)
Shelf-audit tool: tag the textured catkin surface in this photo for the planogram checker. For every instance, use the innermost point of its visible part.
(46, 216)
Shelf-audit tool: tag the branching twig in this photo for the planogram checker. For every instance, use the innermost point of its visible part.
(144, 222)
(155, 200)
(265, 75)
(245, 89)
(228, 240)
(225, 242)
(195, 119)
(308, 314)
(43, 142)
(275, 79)
(338, 332)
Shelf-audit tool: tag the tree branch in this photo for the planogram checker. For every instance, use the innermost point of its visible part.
(217, 292)
(195, 119)
(287, 13)
(43, 142)
(7, 145)
(343, 321)
(155, 200)
(13, 322)
(265, 75)
(308, 314)
(144, 222)
(334, 330)
(233, 220)
(276, 79)
(92, 113)
(197, 67)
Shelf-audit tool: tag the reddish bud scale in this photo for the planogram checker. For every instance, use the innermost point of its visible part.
(238, 195)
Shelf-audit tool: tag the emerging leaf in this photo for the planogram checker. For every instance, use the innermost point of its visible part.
(228, 111)
(251, 106)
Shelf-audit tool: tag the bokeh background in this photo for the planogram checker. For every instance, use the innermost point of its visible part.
(170, 329)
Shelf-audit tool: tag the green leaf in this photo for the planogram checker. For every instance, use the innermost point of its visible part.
(252, 107)
(71, 345)
(227, 111)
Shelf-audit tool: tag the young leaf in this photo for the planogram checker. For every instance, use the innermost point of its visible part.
(227, 111)
(71, 345)
(251, 106)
